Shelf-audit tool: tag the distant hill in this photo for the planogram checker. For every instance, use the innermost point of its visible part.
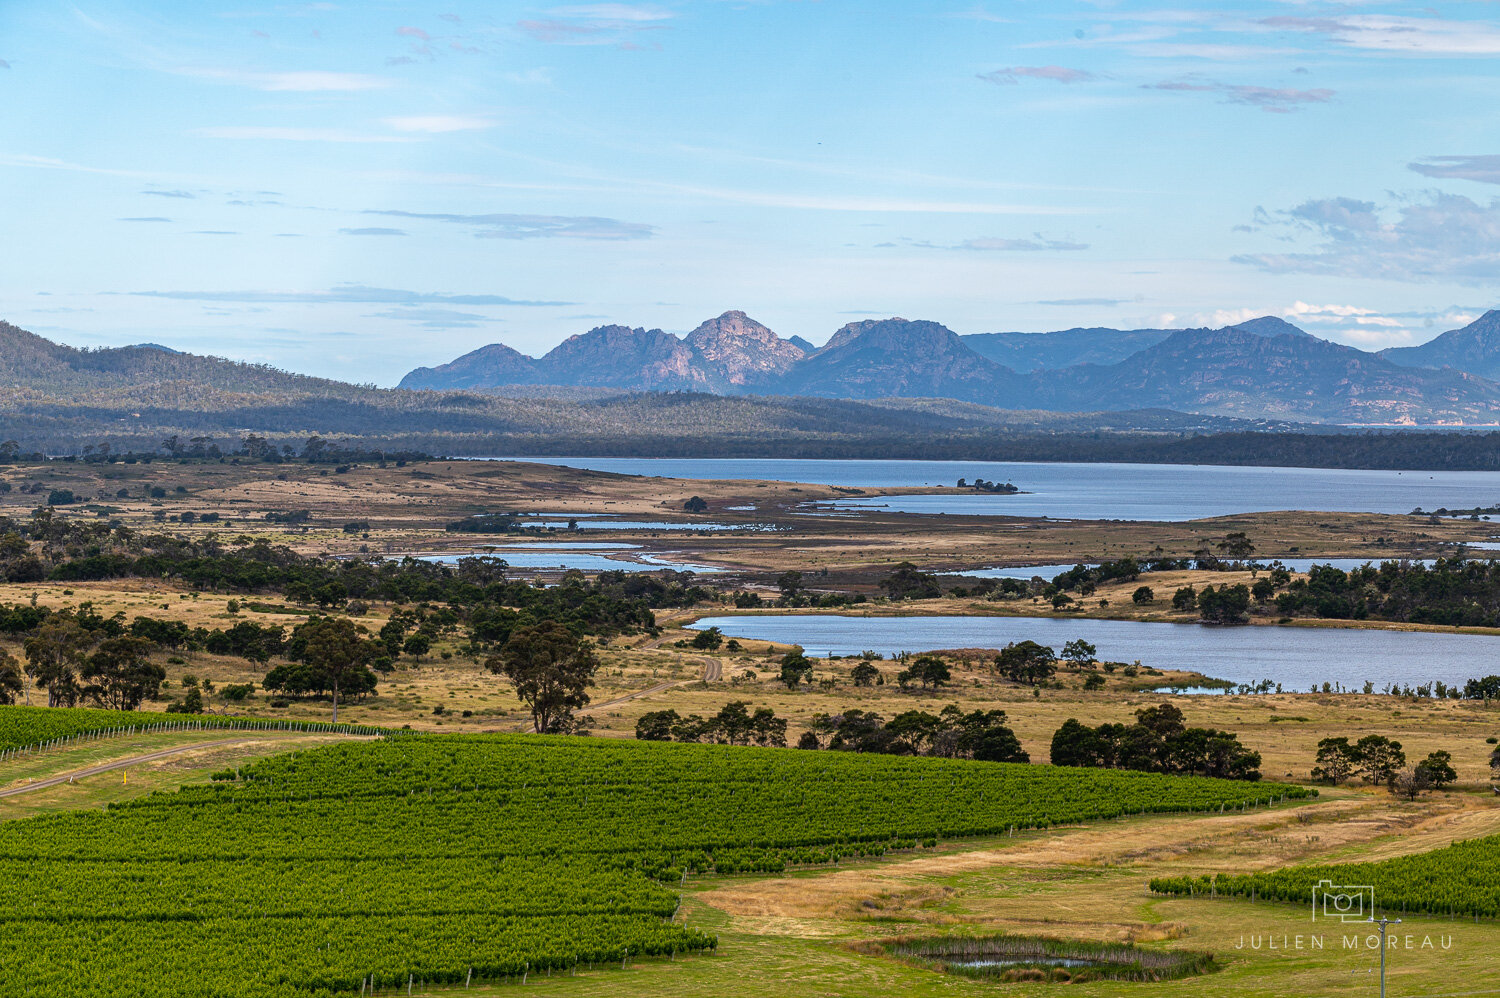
(877, 358)
(1263, 368)
(492, 366)
(1091, 345)
(1028, 352)
(1236, 372)
(1475, 348)
(32, 367)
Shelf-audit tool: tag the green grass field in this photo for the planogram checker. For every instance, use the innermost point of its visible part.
(418, 858)
(435, 858)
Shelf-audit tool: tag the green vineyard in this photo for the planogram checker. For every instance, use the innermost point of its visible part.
(453, 858)
(1463, 879)
(30, 728)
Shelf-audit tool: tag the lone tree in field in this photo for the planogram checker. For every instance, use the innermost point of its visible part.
(1143, 595)
(1337, 760)
(695, 505)
(795, 669)
(551, 669)
(1026, 662)
(1236, 546)
(1409, 782)
(864, 674)
(335, 647)
(1437, 769)
(1079, 653)
(12, 683)
(54, 654)
(1380, 758)
(121, 674)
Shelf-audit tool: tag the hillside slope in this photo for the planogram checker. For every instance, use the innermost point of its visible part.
(877, 358)
(1234, 372)
(1474, 348)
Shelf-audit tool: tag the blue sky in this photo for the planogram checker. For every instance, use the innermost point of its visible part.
(357, 189)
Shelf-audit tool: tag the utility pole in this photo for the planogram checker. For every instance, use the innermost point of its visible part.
(1383, 922)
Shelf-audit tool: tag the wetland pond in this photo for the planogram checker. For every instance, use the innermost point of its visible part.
(1296, 657)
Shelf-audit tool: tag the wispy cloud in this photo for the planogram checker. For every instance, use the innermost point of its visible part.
(1278, 100)
(1435, 237)
(1095, 302)
(507, 226)
(1482, 169)
(170, 194)
(149, 218)
(1037, 244)
(438, 123)
(594, 24)
(345, 294)
(1425, 36)
(994, 244)
(372, 232)
(1340, 314)
(47, 163)
(300, 81)
(436, 318)
(281, 133)
(1012, 75)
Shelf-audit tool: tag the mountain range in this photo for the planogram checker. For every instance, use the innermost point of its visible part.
(58, 399)
(1263, 368)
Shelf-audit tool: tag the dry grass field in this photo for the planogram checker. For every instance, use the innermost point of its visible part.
(792, 934)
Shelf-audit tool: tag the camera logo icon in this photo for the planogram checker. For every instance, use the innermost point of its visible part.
(1343, 902)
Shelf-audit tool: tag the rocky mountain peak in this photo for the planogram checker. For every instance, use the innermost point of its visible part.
(740, 350)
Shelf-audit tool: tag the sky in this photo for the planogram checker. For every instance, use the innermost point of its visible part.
(356, 189)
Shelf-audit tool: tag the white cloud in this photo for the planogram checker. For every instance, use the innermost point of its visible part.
(1009, 76)
(874, 204)
(612, 12)
(1437, 237)
(301, 81)
(438, 123)
(1341, 314)
(1481, 169)
(1037, 244)
(595, 24)
(513, 226)
(281, 133)
(47, 163)
(1227, 316)
(1389, 33)
(1278, 100)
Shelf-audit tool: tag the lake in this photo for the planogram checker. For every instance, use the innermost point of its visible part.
(1094, 491)
(549, 557)
(1050, 572)
(601, 521)
(1296, 657)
